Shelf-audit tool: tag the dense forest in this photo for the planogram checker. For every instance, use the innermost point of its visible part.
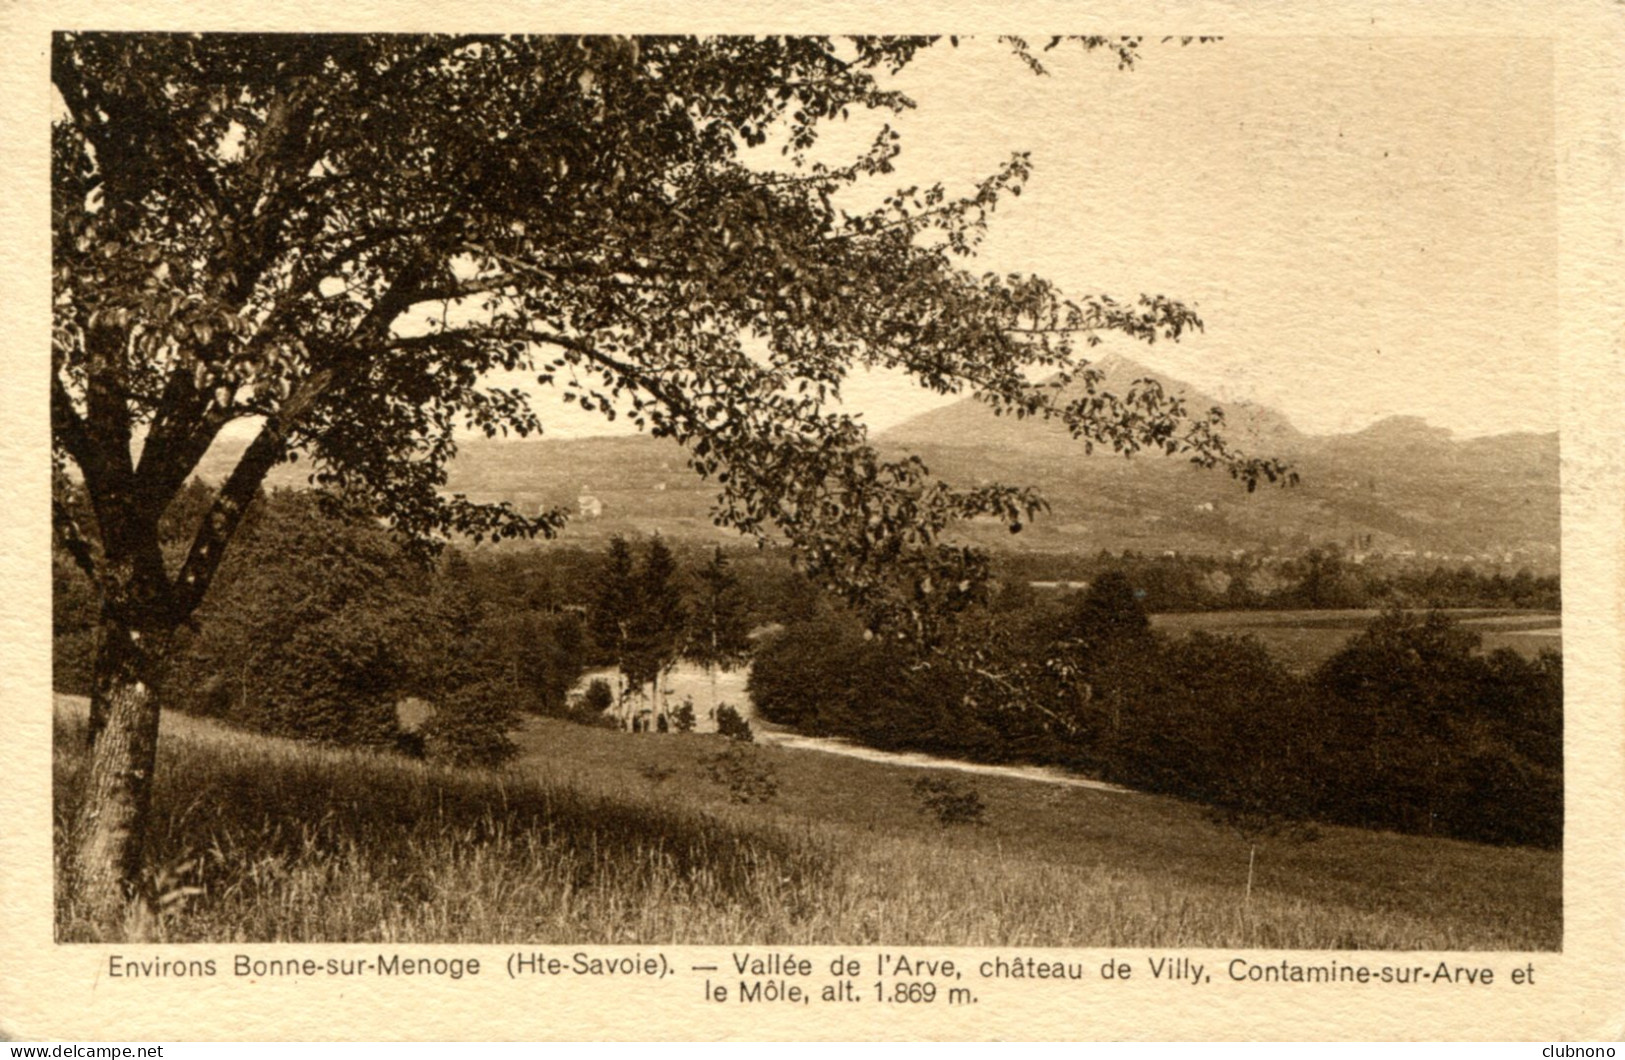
(321, 625)
(1409, 727)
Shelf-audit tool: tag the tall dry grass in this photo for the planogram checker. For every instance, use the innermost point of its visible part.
(256, 839)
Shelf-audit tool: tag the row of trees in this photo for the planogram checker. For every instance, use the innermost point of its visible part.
(1409, 727)
(640, 619)
(321, 625)
(1320, 578)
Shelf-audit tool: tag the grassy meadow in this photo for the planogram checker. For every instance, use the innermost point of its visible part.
(595, 836)
(1302, 640)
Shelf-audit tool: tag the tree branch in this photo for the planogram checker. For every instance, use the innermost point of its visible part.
(69, 428)
(73, 538)
(452, 292)
(267, 449)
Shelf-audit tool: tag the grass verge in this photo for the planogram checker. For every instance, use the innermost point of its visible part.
(604, 837)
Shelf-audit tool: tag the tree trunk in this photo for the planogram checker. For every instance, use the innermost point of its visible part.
(105, 853)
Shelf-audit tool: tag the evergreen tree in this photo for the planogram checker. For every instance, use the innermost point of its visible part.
(614, 603)
(717, 632)
(1110, 612)
(657, 622)
(1105, 646)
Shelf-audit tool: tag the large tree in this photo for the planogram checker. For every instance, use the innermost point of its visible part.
(614, 608)
(335, 239)
(717, 636)
(657, 622)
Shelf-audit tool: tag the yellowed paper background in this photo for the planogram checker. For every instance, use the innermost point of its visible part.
(63, 992)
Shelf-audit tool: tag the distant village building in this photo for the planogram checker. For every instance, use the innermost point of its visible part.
(590, 507)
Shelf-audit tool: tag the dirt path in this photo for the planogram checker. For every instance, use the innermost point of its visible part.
(706, 692)
(830, 745)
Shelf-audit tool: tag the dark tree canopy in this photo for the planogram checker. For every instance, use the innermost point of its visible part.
(341, 235)
(718, 633)
(657, 619)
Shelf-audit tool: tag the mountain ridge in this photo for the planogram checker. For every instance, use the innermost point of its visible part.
(1398, 486)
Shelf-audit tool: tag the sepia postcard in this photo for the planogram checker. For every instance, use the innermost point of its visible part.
(1005, 522)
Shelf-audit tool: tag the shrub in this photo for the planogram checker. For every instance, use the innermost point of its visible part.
(949, 800)
(682, 719)
(744, 772)
(581, 710)
(803, 675)
(1424, 734)
(591, 706)
(656, 772)
(732, 724)
(598, 697)
(470, 727)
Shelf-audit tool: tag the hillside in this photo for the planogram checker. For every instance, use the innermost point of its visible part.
(642, 484)
(1399, 487)
(1249, 427)
(606, 837)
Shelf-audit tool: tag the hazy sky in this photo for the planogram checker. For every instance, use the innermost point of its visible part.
(1367, 227)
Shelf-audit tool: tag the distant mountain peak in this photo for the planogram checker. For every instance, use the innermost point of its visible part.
(1253, 427)
(1115, 364)
(1405, 429)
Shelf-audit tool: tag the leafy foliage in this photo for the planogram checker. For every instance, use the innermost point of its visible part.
(748, 776)
(320, 625)
(1320, 577)
(718, 637)
(337, 240)
(314, 631)
(534, 657)
(1434, 736)
(1409, 727)
(598, 697)
(950, 801)
(470, 726)
(732, 725)
(343, 234)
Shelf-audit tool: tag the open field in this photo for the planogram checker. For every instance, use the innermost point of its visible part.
(1302, 640)
(599, 836)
